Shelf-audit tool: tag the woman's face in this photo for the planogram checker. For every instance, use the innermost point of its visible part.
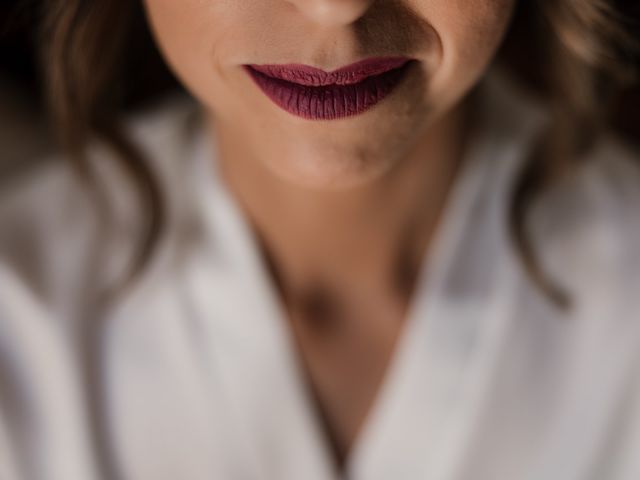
(207, 42)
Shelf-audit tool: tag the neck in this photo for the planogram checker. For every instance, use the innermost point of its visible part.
(362, 236)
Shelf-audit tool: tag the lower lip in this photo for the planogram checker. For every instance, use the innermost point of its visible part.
(330, 101)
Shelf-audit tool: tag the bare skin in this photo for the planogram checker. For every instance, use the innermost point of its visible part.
(345, 210)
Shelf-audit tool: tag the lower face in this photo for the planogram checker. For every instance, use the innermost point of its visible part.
(353, 127)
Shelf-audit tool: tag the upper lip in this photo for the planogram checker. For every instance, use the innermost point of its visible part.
(349, 74)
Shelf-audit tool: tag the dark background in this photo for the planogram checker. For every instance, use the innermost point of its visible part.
(19, 73)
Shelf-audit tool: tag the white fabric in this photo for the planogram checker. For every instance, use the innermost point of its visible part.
(194, 373)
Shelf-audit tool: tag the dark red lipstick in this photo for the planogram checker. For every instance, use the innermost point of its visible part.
(315, 94)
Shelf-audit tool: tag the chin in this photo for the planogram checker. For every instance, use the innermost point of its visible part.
(331, 172)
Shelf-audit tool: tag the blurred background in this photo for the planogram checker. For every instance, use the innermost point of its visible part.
(25, 138)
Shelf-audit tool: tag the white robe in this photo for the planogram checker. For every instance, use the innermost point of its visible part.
(193, 374)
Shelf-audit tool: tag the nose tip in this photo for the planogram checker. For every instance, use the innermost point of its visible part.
(333, 12)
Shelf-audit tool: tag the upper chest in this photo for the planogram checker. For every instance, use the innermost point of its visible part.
(345, 354)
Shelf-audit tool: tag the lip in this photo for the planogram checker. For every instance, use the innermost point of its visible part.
(347, 75)
(312, 93)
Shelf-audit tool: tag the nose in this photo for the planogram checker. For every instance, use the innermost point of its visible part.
(333, 12)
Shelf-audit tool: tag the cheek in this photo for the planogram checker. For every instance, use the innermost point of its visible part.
(192, 36)
(471, 30)
(470, 33)
(176, 27)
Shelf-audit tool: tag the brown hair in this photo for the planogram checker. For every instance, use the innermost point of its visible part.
(581, 45)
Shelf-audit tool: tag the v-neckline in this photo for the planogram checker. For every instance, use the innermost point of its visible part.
(424, 306)
(459, 200)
